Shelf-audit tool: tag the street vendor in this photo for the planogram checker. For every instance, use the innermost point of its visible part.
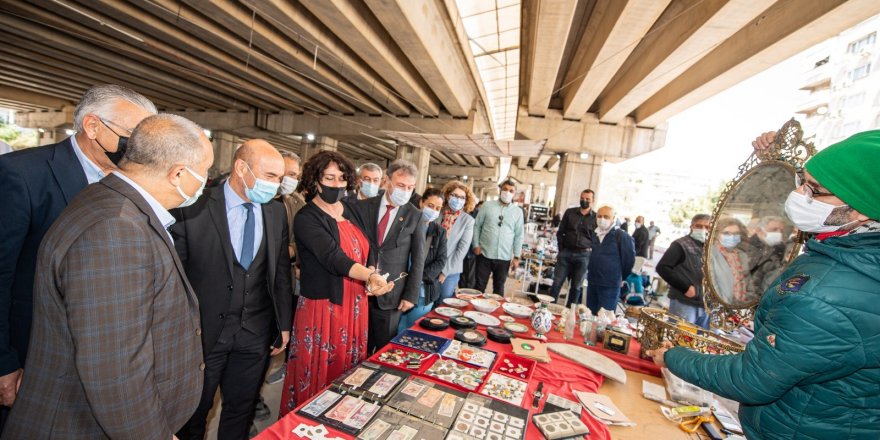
(812, 371)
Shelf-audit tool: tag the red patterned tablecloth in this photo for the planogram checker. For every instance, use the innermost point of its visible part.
(560, 377)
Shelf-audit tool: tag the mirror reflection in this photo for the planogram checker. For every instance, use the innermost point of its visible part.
(751, 240)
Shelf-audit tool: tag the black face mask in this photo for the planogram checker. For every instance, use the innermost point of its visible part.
(585, 204)
(331, 195)
(121, 145)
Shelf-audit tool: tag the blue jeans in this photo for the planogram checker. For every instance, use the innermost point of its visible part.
(690, 313)
(573, 267)
(602, 297)
(410, 317)
(447, 289)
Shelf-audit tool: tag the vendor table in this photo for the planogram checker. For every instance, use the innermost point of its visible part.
(560, 377)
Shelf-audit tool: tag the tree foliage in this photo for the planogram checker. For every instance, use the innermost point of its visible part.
(681, 213)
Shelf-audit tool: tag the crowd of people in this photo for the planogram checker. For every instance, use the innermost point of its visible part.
(132, 288)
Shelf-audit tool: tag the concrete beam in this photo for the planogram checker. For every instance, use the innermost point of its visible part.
(610, 37)
(622, 141)
(532, 177)
(337, 125)
(471, 172)
(355, 26)
(418, 29)
(667, 52)
(574, 176)
(489, 161)
(33, 98)
(51, 119)
(785, 29)
(552, 26)
(522, 162)
(541, 161)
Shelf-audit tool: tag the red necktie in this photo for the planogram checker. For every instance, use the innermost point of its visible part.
(383, 224)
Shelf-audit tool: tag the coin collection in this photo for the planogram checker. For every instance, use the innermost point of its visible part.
(421, 341)
(450, 371)
(505, 388)
(470, 354)
(399, 358)
(484, 423)
(515, 366)
(562, 424)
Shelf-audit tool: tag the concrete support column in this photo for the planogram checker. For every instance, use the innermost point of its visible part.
(421, 157)
(575, 175)
(50, 136)
(224, 148)
(321, 143)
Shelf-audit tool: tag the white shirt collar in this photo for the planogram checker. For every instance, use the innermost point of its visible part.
(93, 172)
(164, 216)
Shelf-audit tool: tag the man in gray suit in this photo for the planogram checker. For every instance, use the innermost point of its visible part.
(397, 239)
(116, 351)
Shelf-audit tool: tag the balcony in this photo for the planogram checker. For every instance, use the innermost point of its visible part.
(817, 78)
(816, 100)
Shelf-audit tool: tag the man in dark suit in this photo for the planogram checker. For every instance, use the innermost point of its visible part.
(640, 235)
(234, 246)
(397, 239)
(36, 184)
(115, 351)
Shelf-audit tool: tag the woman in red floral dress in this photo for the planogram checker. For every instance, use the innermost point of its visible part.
(329, 334)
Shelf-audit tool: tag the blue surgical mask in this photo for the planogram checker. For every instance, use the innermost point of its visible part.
(429, 214)
(369, 189)
(456, 204)
(730, 240)
(187, 200)
(400, 197)
(263, 190)
(699, 234)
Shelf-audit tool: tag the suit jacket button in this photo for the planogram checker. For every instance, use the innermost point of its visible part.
(202, 366)
(229, 287)
(198, 332)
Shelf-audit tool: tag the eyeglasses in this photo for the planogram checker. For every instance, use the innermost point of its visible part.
(500, 220)
(809, 190)
(453, 196)
(107, 123)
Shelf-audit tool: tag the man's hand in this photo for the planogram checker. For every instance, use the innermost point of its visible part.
(377, 286)
(405, 306)
(441, 278)
(514, 263)
(285, 338)
(477, 250)
(9, 387)
(658, 353)
(764, 141)
(691, 292)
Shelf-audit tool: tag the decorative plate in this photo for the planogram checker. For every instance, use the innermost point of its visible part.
(507, 318)
(468, 293)
(517, 310)
(447, 311)
(545, 298)
(482, 318)
(494, 296)
(455, 302)
(516, 327)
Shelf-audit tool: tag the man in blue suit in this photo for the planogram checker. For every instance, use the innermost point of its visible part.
(611, 262)
(36, 184)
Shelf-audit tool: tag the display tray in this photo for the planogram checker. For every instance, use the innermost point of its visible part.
(506, 388)
(429, 401)
(403, 358)
(345, 412)
(390, 424)
(515, 366)
(421, 341)
(560, 425)
(458, 374)
(479, 357)
(488, 419)
(371, 381)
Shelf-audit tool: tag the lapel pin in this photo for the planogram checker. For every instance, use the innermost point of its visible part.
(400, 219)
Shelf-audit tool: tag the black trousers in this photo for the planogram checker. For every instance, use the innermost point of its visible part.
(497, 268)
(237, 364)
(468, 273)
(382, 326)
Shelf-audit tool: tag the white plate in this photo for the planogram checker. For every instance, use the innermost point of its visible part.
(516, 327)
(545, 298)
(517, 310)
(448, 312)
(455, 302)
(494, 296)
(507, 318)
(468, 293)
(483, 318)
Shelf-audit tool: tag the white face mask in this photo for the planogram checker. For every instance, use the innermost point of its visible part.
(638, 225)
(699, 235)
(505, 197)
(187, 200)
(604, 224)
(288, 185)
(809, 215)
(773, 238)
(400, 197)
(369, 189)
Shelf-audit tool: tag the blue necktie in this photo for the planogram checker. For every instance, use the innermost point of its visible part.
(247, 241)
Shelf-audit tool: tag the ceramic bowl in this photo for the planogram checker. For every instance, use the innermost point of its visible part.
(485, 305)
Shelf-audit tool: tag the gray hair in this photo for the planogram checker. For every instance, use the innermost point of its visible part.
(291, 155)
(162, 141)
(701, 217)
(770, 219)
(403, 166)
(100, 100)
(370, 166)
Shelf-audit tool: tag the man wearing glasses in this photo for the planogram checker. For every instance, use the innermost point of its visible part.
(498, 236)
(36, 184)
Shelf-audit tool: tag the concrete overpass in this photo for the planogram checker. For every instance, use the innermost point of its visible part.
(544, 91)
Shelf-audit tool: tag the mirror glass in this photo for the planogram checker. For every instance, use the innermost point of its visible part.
(751, 240)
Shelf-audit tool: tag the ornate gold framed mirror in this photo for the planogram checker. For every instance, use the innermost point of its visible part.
(750, 239)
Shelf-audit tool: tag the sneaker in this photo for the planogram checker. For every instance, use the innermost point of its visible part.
(277, 375)
(253, 431)
(262, 411)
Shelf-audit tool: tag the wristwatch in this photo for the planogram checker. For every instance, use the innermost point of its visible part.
(536, 400)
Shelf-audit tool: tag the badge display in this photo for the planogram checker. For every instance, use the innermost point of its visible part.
(470, 354)
(515, 366)
(505, 388)
(464, 376)
(421, 341)
(402, 358)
